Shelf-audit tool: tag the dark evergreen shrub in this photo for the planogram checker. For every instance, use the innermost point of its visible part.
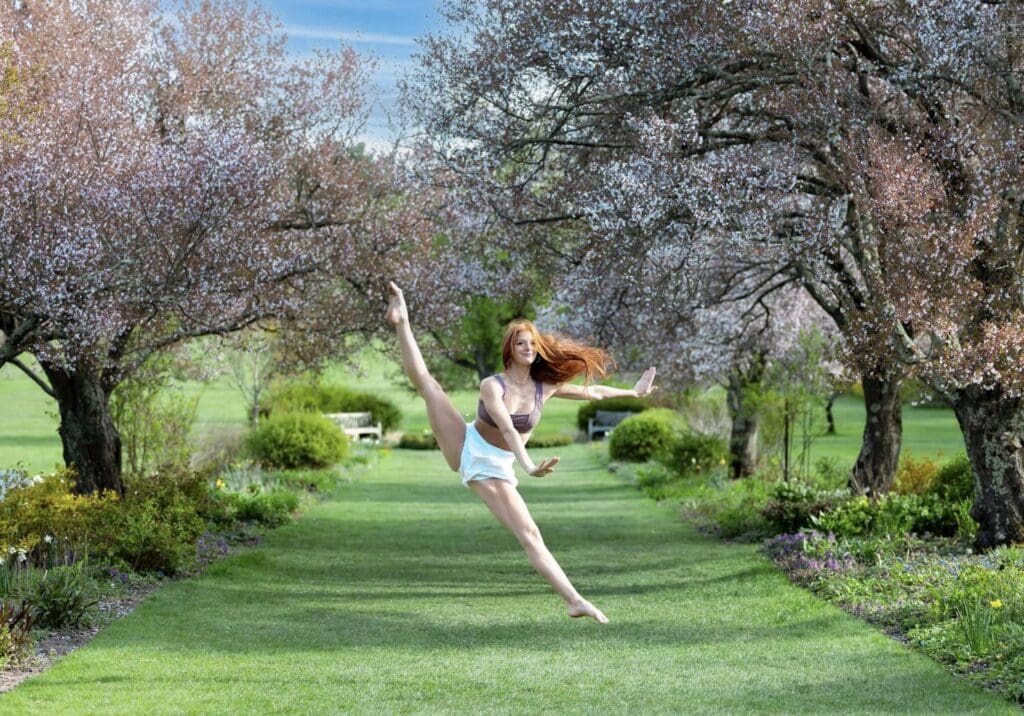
(550, 441)
(417, 441)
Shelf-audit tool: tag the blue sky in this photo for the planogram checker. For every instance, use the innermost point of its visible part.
(385, 29)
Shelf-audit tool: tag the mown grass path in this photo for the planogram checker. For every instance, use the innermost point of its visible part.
(404, 595)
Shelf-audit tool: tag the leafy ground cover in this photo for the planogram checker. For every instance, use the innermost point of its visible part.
(403, 594)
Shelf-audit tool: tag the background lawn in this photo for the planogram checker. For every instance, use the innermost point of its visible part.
(28, 425)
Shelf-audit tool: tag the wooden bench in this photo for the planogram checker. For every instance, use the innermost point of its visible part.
(357, 425)
(604, 421)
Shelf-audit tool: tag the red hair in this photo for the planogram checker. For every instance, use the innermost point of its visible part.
(559, 360)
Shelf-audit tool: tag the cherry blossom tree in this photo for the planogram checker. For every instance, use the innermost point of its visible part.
(175, 175)
(684, 324)
(871, 151)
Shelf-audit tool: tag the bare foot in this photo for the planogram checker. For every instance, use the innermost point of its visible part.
(397, 312)
(586, 609)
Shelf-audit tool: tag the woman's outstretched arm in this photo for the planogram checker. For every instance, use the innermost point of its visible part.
(643, 387)
(490, 394)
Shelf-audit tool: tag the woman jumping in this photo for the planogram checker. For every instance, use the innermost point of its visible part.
(537, 367)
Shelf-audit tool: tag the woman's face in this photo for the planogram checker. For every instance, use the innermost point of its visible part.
(523, 349)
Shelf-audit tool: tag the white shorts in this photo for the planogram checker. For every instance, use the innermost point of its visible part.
(483, 461)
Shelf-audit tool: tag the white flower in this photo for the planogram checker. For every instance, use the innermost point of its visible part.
(48, 539)
(11, 550)
(21, 555)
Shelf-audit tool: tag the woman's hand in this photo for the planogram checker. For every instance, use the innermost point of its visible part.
(545, 467)
(645, 386)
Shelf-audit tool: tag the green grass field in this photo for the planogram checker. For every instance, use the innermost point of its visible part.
(402, 594)
(28, 427)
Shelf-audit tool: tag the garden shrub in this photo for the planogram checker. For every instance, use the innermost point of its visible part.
(155, 527)
(744, 520)
(294, 440)
(314, 398)
(292, 398)
(914, 476)
(693, 454)
(589, 410)
(270, 509)
(60, 596)
(954, 480)
(15, 630)
(640, 437)
(418, 441)
(46, 510)
(732, 509)
(791, 505)
(892, 514)
(660, 483)
(550, 441)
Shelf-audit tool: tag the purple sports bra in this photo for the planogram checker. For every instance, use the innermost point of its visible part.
(522, 422)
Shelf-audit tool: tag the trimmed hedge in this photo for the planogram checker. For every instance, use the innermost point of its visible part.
(618, 405)
(313, 398)
(293, 440)
(550, 441)
(418, 441)
(641, 437)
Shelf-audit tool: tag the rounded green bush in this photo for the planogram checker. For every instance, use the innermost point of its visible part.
(291, 440)
(640, 437)
(692, 453)
(313, 398)
(954, 480)
(617, 405)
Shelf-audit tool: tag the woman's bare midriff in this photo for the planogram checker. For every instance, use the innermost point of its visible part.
(492, 435)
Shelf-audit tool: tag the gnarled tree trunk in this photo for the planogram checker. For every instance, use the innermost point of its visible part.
(745, 423)
(92, 445)
(875, 469)
(993, 427)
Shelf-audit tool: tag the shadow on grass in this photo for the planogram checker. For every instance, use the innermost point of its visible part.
(9, 440)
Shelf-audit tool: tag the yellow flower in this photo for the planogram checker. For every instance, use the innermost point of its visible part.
(996, 604)
(220, 484)
(721, 461)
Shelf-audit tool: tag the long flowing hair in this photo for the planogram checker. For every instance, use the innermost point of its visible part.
(558, 360)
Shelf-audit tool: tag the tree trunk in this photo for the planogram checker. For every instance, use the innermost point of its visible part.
(484, 368)
(875, 469)
(92, 445)
(743, 432)
(993, 428)
(830, 419)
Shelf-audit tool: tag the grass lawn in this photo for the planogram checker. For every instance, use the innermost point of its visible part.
(404, 595)
(28, 431)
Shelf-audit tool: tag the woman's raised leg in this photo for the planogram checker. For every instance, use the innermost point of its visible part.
(508, 506)
(446, 422)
